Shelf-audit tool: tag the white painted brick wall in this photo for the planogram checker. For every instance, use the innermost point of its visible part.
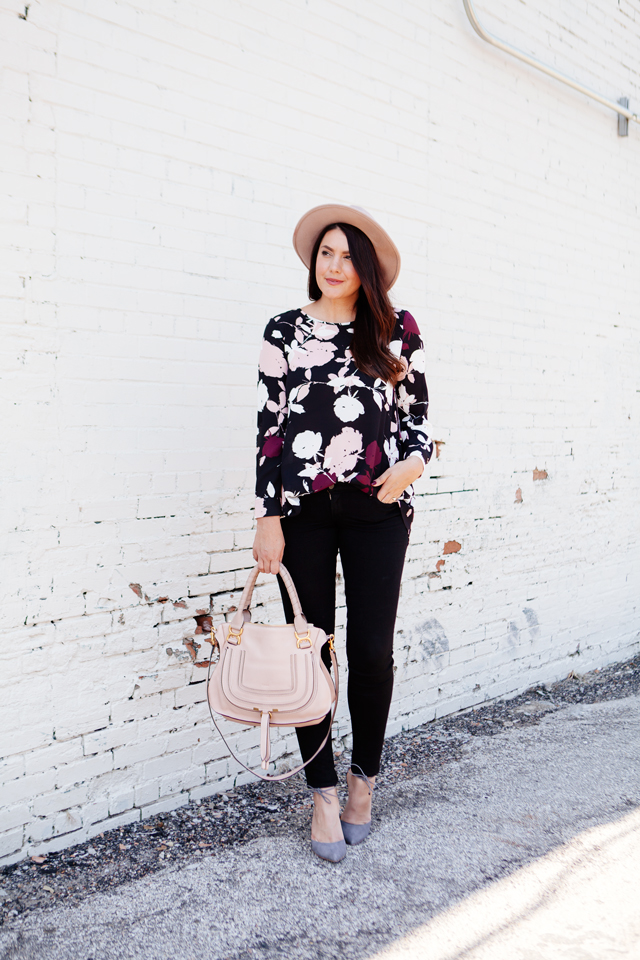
(155, 158)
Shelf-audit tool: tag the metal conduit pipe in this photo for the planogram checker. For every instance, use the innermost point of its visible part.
(621, 107)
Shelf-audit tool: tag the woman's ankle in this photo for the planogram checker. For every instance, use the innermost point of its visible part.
(360, 784)
(325, 824)
(358, 806)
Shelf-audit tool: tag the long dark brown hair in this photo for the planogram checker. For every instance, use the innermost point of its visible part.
(375, 319)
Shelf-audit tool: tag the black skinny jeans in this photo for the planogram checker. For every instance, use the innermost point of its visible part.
(372, 540)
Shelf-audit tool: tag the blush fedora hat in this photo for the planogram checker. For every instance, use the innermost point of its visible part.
(311, 224)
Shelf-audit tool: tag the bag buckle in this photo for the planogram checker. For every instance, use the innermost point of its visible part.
(238, 636)
(300, 640)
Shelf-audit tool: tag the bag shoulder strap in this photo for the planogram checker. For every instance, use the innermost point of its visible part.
(289, 773)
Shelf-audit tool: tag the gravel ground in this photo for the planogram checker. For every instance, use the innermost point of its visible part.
(256, 811)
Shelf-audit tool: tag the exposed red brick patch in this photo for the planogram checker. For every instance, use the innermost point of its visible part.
(204, 622)
(452, 546)
(162, 599)
(137, 589)
(179, 603)
(518, 496)
(439, 565)
(540, 474)
(439, 444)
(204, 627)
(193, 648)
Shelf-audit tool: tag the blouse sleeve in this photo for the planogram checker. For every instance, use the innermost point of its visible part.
(272, 420)
(413, 398)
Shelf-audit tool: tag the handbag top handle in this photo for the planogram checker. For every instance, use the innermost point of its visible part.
(299, 619)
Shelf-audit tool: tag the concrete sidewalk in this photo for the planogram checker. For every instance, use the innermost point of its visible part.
(526, 848)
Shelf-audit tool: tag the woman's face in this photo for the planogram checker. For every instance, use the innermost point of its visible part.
(335, 273)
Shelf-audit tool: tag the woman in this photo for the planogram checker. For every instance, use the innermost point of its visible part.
(342, 435)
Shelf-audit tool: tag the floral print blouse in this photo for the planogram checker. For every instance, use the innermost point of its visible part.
(321, 420)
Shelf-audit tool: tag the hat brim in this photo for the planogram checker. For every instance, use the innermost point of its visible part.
(313, 222)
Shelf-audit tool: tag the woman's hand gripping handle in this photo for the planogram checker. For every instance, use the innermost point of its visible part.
(268, 545)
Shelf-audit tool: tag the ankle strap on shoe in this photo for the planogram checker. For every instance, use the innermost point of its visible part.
(362, 776)
(324, 793)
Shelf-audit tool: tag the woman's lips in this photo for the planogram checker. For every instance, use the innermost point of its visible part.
(334, 282)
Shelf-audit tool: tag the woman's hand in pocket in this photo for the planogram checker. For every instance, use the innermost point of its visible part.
(394, 481)
(268, 545)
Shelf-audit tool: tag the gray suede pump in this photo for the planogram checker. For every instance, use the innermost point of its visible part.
(333, 852)
(355, 833)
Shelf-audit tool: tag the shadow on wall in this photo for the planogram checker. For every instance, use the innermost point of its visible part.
(532, 627)
(432, 640)
(427, 642)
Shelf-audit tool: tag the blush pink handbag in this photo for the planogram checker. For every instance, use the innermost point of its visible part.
(271, 676)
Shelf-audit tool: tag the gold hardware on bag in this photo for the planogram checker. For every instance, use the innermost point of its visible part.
(300, 640)
(330, 640)
(213, 639)
(238, 636)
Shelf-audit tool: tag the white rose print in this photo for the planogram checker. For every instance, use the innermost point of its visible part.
(348, 409)
(263, 394)
(391, 450)
(417, 361)
(306, 444)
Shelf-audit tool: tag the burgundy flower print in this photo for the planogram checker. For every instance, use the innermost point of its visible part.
(322, 481)
(373, 455)
(272, 446)
(409, 326)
